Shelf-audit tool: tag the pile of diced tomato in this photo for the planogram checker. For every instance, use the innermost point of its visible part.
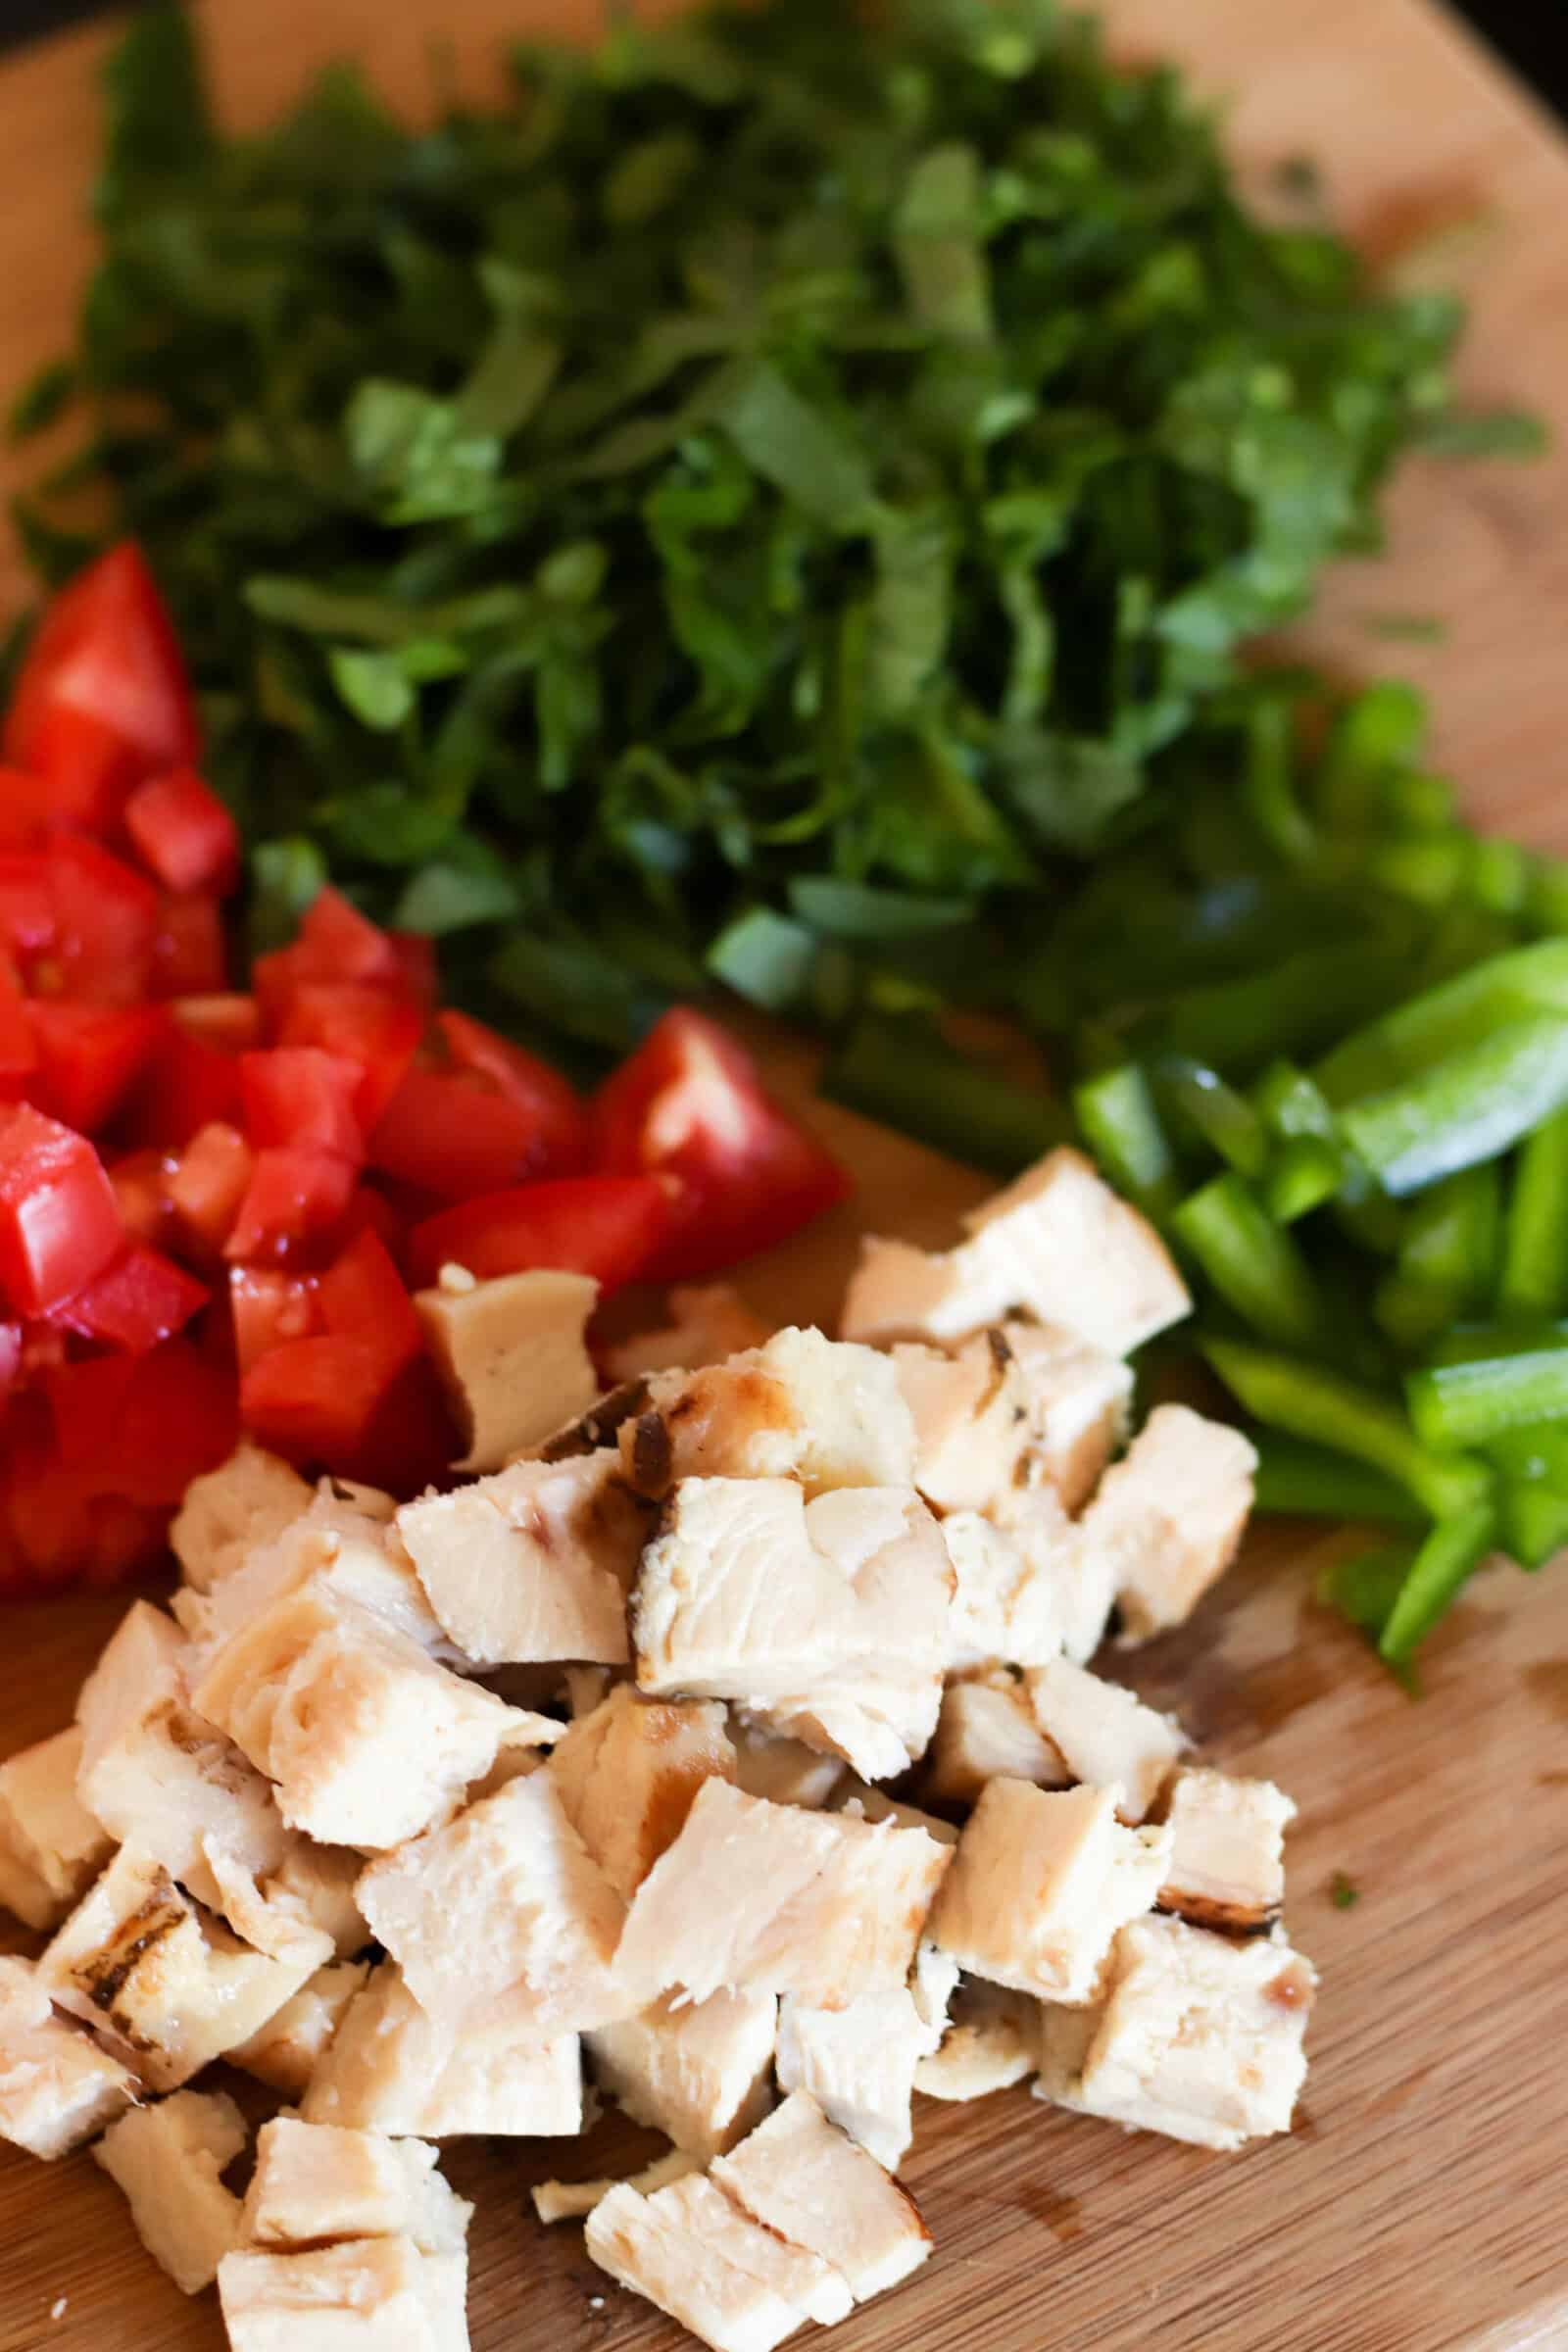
(216, 1198)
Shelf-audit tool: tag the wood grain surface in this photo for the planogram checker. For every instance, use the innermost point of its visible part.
(1415, 2206)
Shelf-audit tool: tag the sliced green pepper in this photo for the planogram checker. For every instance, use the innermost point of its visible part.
(1468, 1403)
(1255, 1266)
(1465, 1108)
(1447, 1259)
(1532, 1521)
(1447, 1558)
(1447, 1020)
(1535, 1254)
(1310, 1482)
(1122, 1127)
(1302, 1174)
(1200, 1097)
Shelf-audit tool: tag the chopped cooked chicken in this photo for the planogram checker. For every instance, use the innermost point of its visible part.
(627, 1772)
(235, 1511)
(51, 1847)
(57, 2086)
(533, 1563)
(167, 2160)
(801, 2176)
(802, 1406)
(320, 1882)
(1198, 2036)
(773, 1899)
(992, 2042)
(166, 1983)
(1058, 1246)
(286, 2051)
(697, 2255)
(709, 1322)
(503, 1913)
(316, 2185)
(574, 2200)
(1168, 1517)
(582, 1688)
(784, 1770)
(826, 1619)
(375, 2295)
(1018, 1405)
(1079, 1577)
(697, 2071)
(859, 2062)
(1007, 1601)
(862, 1802)
(391, 2067)
(142, 1664)
(512, 1356)
(1227, 1858)
(367, 1738)
(986, 1732)
(1105, 1734)
(1040, 1884)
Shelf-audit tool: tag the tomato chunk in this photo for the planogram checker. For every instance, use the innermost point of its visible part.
(269, 1309)
(445, 1134)
(189, 1085)
(59, 1219)
(18, 1045)
(90, 1057)
(142, 1427)
(106, 922)
(142, 1189)
(27, 915)
(611, 1227)
(551, 1102)
(102, 698)
(141, 1299)
(190, 955)
(183, 832)
(301, 1096)
(689, 1103)
(295, 1194)
(210, 1180)
(361, 1023)
(224, 1018)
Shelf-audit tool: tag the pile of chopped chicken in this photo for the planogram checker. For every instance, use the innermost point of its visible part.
(295, 1827)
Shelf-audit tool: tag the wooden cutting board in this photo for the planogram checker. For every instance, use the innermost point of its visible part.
(1413, 2208)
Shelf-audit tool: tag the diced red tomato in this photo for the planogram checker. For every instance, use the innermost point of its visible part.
(689, 1104)
(10, 1357)
(90, 1057)
(142, 1427)
(270, 1309)
(611, 1227)
(210, 1180)
(26, 904)
(183, 832)
(419, 974)
(189, 1085)
(19, 1046)
(141, 1299)
(449, 1136)
(301, 1096)
(59, 1220)
(141, 1191)
(227, 1019)
(190, 955)
(26, 809)
(103, 699)
(362, 1024)
(335, 943)
(295, 1195)
(106, 922)
(362, 1297)
(551, 1102)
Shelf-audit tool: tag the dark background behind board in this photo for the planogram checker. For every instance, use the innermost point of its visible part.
(1532, 34)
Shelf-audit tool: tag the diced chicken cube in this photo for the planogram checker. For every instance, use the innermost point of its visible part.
(505, 1913)
(801, 2176)
(1019, 1404)
(168, 1982)
(315, 2185)
(233, 1511)
(377, 2294)
(773, 1898)
(990, 2042)
(512, 1354)
(859, 2061)
(143, 1662)
(367, 1738)
(863, 1802)
(57, 2086)
(1058, 1246)
(344, 1547)
(1079, 1574)
(801, 1407)
(51, 1847)
(986, 1732)
(391, 2067)
(827, 1619)
(167, 2160)
(1169, 1516)
(1076, 1399)
(1227, 1859)
(1040, 1884)
(784, 1770)
(627, 1776)
(1198, 2038)
(320, 1882)
(697, 2256)
(1105, 1735)
(285, 2052)
(573, 2200)
(697, 2071)
(1005, 1602)
(708, 1323)
(533, 1563)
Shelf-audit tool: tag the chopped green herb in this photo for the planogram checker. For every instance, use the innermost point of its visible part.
(1344, 1893)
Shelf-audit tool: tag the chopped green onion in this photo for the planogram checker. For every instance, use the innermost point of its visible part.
(765, 959)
